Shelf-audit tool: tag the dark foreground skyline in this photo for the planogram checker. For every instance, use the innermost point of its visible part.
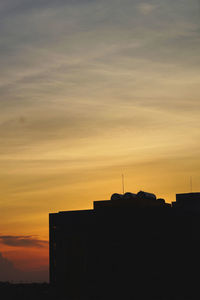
(133, 246)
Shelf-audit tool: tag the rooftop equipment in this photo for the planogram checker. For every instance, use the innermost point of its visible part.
(129, 196)
(116, 196)
(145, 196)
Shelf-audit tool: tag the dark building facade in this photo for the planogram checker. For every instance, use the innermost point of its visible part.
(130, 245)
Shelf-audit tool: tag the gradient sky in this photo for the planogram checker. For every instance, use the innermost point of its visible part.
(91, 89)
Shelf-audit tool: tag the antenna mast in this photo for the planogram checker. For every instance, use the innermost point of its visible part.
(123, 183)
(191, 184)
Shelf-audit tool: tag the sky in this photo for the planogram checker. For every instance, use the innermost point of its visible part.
(91, 89)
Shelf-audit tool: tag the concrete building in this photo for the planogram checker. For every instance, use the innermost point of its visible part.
(124, 244)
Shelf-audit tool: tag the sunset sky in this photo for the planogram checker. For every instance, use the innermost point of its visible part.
(91, 89)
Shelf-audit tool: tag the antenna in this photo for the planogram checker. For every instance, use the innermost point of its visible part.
(123, 183)
(191, 184)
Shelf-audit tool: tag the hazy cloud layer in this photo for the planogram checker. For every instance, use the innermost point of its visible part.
(8, 272)
(77, 75)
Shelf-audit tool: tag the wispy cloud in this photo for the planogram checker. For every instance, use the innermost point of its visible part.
(146, 8)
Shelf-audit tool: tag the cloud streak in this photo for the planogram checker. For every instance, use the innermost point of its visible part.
(22, 241)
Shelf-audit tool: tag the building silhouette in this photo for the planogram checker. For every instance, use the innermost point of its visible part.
(133, 245)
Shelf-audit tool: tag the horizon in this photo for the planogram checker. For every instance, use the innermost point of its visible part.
(91, 90)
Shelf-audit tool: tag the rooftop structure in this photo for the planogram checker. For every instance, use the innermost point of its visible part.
(188, 202)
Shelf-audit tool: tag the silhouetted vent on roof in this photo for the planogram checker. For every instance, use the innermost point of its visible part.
(129, 196)
(146, 196)
(116, 196)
